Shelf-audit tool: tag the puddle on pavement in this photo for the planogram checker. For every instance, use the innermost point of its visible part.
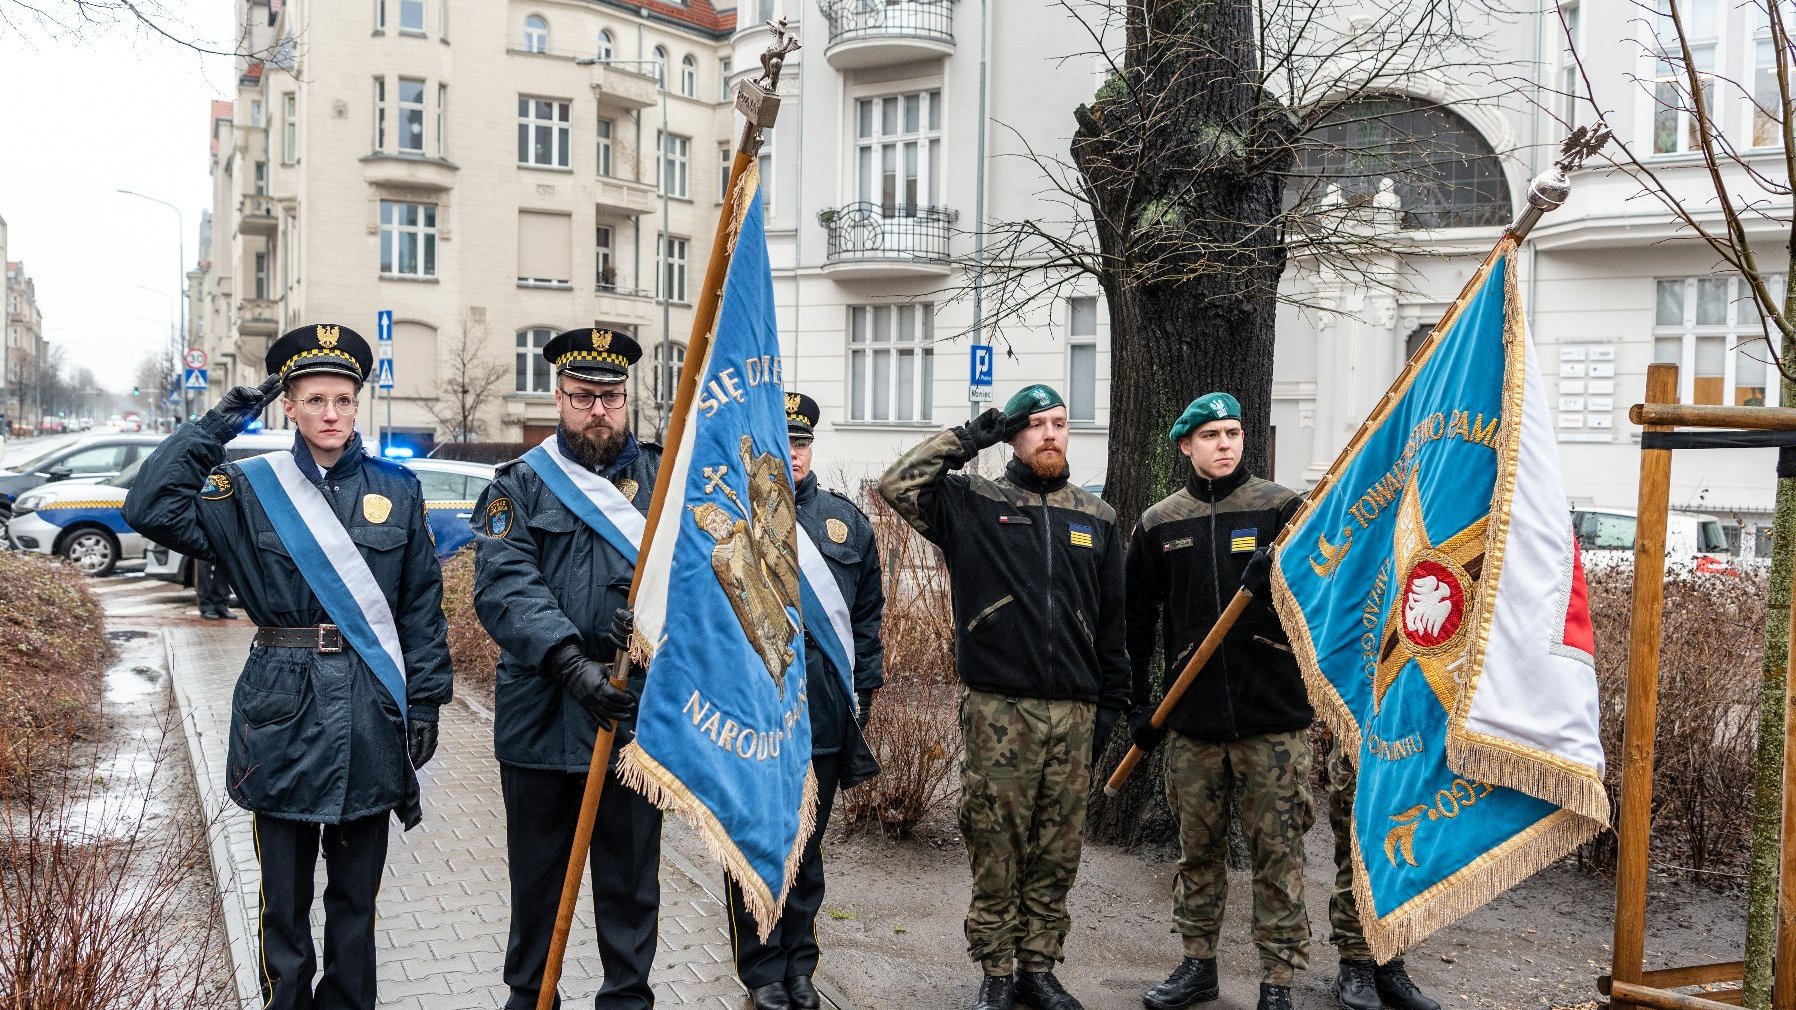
(127, 777)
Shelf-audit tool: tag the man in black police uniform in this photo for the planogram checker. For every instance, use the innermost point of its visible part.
(549, 589)
(213, 591)
(778, 972)
(319, 747)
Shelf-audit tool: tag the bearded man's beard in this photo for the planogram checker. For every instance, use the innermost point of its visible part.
(1048, 463)
(593, 448)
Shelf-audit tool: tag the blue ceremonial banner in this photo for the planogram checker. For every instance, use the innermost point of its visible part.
(1435, 600)
(723, 734)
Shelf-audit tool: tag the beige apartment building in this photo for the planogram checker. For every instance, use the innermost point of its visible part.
(24, 330)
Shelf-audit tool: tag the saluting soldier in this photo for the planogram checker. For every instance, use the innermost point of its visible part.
(1036, 567)
(778, 971)
(336, 706)
(560, 529)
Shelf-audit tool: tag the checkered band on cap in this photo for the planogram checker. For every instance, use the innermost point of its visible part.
(598, 357)
(323, 352)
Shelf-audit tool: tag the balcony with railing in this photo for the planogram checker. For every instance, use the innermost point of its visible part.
(871, 240)
(875, 33)
(256, 216)
(258, 317)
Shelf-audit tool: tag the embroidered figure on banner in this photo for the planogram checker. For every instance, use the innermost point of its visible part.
(756, 559)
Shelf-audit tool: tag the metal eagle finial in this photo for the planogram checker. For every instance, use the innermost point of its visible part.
(1582, 145)
(784, 42)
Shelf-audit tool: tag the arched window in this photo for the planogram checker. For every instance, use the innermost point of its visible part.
(1445, 173)
(533, 372)
(689, 76)
(606, 44)
(659, 60)
(536, 34)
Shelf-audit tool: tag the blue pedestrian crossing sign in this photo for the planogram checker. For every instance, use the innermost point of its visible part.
(383, 374)
(195, 379)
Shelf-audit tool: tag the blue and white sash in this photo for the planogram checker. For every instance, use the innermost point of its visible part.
(826, 613)
(597, 501)
(332, 566)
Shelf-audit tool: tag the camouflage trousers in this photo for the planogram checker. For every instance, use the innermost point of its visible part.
(1024, 774)
(1343, 911)
(1268, 776)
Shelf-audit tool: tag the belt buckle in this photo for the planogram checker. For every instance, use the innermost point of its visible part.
(329, 638)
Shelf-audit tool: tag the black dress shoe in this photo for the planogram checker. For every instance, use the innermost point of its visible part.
(226, 615)
(1274, 997)
(1398, 992)
(802, 993)
(210, 615)
(1041, 990)
(997, 992)
(1354, 986)
(1193, 981)
(769, 997)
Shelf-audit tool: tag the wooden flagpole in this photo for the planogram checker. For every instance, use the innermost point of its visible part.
(759, 104)
(1548, 190)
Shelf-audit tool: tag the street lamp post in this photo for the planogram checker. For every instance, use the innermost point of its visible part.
(180, 282)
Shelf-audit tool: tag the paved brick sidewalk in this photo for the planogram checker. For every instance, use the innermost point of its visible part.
(444, 905)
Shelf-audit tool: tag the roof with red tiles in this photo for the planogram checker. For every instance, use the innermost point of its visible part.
(699, 14)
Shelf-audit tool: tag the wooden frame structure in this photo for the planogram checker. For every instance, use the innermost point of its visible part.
(1630, 983)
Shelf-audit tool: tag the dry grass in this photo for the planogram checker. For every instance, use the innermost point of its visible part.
(52, 658)
(1712, 645)
(472, 652)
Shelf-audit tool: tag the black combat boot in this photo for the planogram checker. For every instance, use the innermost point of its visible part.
(1274, 997)
(1193, 981)
(997, 992)
(1041, 990)
(803, 993)
(1398, 992)
(1354, 987)
(770, 997)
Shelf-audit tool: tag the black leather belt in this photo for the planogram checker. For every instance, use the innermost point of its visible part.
(318, 638)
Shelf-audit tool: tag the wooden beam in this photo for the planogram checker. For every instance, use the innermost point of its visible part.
(1633, 994)
(1695, 416)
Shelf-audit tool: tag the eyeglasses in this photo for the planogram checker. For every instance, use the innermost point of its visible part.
(611, 398)
(315, 404)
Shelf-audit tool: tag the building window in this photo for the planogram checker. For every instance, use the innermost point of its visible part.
(1711, 329)
(380, 15)
(380, 113)
(672, 163)
(723, 172)
(604, 153)
(899, 151)
(255, 112)
(723, 80)
(891, 367)
(443, 20)
(670, 268)
(659, 65)
(1568, 83)
(545, 250)
(664, 379)
(766, 165)
(261, 280)
(289, 128)
(1675, 126)
(536, 34)
(1767, 101)
(534, 374)
(411, 115)
(542, 132)
(763, 10)
(411, 16)
(607, 269)
(689, 76)
(607, 46)
(443, 119)
(261, 182)
(408, 239)
(1082, 359)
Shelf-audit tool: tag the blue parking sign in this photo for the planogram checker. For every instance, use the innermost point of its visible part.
(981, 363)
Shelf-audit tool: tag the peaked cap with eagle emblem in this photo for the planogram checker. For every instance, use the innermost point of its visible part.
(320, 349)
(802, 414)
(593, 354)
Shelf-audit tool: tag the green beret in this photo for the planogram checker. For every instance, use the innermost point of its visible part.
(1206, 408)
(1033, 400)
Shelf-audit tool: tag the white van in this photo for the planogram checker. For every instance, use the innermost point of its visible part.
(1693, 540)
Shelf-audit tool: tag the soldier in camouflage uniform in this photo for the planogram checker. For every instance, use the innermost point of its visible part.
(1036, 570)
(1361, 983)
(1242, 730)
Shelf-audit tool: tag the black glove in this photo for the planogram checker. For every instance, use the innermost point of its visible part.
(238, 408)
(1106, 723)
(1256, 578)
(421, 737)
(589, 683)
(1142, 731)
(992, 427)
(863, 702)
(623, 627)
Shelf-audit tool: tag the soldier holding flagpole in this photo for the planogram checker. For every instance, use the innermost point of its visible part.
(337, 704)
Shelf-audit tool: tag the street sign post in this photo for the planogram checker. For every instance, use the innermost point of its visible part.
(979, 374)
(383, 372)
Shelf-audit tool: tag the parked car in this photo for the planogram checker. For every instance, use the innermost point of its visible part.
(450, 489)
(1694, 541)
(94, 458)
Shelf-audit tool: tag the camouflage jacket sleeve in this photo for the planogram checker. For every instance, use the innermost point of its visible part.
(920, 487)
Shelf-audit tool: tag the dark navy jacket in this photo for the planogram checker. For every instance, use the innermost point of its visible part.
(542, 577)
(854, 561)
(314, 736)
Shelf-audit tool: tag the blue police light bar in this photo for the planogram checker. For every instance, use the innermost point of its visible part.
(397, 452)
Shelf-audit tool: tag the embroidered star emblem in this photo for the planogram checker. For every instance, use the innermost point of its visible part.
(1433, 609)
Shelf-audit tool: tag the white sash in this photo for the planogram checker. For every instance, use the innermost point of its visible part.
(594, 499)
(834, 632)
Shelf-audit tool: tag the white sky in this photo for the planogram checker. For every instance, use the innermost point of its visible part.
(79, 119)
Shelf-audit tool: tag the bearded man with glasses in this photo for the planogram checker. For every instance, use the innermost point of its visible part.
(559, 532)
(336, 707)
